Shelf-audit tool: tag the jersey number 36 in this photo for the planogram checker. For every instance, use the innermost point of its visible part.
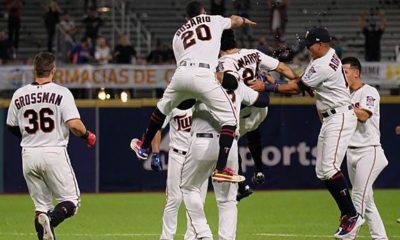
(39, 120)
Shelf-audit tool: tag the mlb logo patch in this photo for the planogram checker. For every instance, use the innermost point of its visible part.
(310, 72)
(370, 101)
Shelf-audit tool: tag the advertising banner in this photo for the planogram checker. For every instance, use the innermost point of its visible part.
(289, 140)
(153, 76)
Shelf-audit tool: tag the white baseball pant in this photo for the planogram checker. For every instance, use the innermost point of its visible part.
(333, 140)
(364, 165)
(48, 173)
(174, 198)
(251, 118)
(199, 83)
(200, 162)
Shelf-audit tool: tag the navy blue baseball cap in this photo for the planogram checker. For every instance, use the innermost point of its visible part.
(316, 35)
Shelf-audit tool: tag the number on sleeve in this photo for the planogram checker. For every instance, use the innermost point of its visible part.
(40, 120)
(203, 33)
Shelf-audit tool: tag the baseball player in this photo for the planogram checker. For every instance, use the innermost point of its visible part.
(180, 121)
(201, 159)
(365, 156)
(41, 114)
(248, 63)
(196, 47)
(324, 75)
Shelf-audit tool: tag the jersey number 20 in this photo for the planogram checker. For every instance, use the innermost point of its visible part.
(203, 33)
(39, 120)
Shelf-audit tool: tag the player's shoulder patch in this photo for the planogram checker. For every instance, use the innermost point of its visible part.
(311, 71)
(370, 101)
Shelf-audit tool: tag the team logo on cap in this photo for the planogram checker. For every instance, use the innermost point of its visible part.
(307, 33)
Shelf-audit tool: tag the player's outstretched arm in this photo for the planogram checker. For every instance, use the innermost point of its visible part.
(237, 21)
(286, 71)
(78, 129)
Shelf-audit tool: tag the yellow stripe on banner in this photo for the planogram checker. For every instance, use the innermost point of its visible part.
(151, 102)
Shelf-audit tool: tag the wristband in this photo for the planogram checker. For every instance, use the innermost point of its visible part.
(85, 136)
(273, 87)
(244, 21)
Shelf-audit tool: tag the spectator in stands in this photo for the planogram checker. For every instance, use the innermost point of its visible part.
(157, 55)
(69, 27)
(92, 24)
(82, 53)
(86, 5)
(124, 53)
(102, 52)
(373, 32)
(278, 18)
(5, 48)
(14, 8)
(51, 19)
(245, 35)
(218, 7)
(335, 44)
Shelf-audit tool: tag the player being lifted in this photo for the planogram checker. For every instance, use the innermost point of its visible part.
(324, 75)
(42, 113)
(248, 63)
(196, 46)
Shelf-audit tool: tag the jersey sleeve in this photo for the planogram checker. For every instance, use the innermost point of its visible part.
(249, 95)
(267, 62)
(226, 64)
(314, 75)
(369, 100)
(12, 118)
(68, 107)
(225, 23)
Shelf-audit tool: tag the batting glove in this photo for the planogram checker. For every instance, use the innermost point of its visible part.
(90, 138)
(156, 162)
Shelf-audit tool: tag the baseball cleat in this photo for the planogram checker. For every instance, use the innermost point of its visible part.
(244, 193)
(140, 152)
(349, 226)
(44, 221)
(398, 220)
(258, 178)
(227, 175)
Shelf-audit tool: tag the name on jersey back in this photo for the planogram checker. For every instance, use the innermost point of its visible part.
(193, 22)
(40, 97)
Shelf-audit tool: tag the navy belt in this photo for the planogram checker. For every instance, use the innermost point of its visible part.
(189, 64)
(179, 151)
(204, 135)
(210, 135)
(333, 111)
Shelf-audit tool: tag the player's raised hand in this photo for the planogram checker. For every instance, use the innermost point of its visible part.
(90, 138)
(249, 22)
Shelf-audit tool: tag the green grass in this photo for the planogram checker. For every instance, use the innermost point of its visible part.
(264, 215)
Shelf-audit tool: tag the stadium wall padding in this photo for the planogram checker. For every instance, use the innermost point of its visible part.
(289, 137)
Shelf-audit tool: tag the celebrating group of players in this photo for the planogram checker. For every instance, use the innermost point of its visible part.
(210, 103)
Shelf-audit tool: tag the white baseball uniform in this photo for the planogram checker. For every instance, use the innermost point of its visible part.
(196, 46)
(180, 122)
(200, 162)
(366, 160)
(248, 63)
(325, 76)
(41, 113)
